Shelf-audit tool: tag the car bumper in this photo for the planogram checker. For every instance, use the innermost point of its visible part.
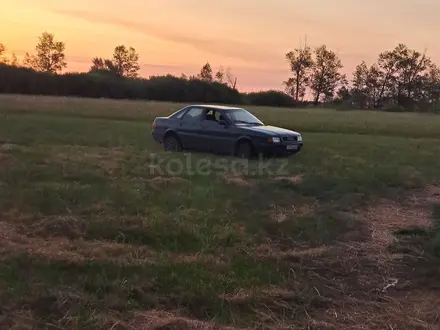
(279, 149)
(157, 136)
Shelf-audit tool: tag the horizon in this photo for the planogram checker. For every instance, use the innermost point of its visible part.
(254, 37)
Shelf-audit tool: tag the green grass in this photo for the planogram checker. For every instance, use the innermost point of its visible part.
(436, 220)
(80, 170)
(305, 120)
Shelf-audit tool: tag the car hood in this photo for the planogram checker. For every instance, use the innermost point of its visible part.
(270, 130)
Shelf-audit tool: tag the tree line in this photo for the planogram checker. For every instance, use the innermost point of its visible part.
(116, 77)
(400, 79)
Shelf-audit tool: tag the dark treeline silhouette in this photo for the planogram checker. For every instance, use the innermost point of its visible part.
(19, 80)
(270, 98)
(401, 79)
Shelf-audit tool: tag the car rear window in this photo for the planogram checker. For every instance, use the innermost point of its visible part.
(178, 114)
(194, 114)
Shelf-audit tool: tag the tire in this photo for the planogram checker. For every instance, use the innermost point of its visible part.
(244, 150)
(172, 143)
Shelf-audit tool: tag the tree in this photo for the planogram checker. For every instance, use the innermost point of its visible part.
(360, 77)
(126, 61)
(13, 61)
(100, 65)
(301, 62)
(325, 77)
(411, 66)
(50, 55)
(220, 75)
(231, 79)
(3, 58)
(387, 68)
(365, 85)
(206, 73)
(401, 73)
(432, 86)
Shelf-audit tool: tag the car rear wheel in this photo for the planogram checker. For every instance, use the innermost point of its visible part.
(244, 150)
(172, 144)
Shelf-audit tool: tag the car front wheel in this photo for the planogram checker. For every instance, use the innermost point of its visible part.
(244, 150)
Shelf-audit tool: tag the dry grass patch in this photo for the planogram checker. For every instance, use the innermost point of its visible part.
(36, 240)
(415, 310)
(161, 181)
(236, 180)
(155, 320)
(106, 158)
(387, 216)
(356, 284)
(6, 159)
(273, 250)
(209, 259)
(294, 180)
(429, 195)
(14, 241)
(61, 226)
(281, 214)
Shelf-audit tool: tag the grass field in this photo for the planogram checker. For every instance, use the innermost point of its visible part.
(92, 238)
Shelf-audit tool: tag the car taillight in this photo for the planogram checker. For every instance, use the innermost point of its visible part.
(154, 125)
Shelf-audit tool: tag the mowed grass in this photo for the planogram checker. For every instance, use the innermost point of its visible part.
(309, 120)
(96, 235)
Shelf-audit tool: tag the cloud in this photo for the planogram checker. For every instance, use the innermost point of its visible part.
(218, 46)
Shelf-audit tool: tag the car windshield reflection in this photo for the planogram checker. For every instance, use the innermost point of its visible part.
(243, 117)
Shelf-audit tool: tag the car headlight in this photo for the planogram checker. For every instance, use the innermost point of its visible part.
(300, 138)
(275, 139)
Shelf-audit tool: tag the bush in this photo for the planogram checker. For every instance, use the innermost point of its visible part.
(269, 98)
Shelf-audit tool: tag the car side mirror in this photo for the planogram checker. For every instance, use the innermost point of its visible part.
(223, 123)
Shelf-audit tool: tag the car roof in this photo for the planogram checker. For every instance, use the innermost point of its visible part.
(213, 106)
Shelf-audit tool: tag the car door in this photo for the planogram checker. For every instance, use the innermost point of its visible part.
(216, 137)
(189, 128)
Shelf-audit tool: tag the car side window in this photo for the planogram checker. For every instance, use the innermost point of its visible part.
(193, 115)
(212, 116)
(179, 115)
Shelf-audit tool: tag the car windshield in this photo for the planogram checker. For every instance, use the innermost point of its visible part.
(241, 116)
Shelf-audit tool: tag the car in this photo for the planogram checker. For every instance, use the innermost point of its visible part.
(223, 129)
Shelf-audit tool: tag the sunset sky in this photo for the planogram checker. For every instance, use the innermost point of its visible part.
(179, 36)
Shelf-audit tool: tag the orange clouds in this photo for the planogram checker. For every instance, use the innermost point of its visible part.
(250, 36)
